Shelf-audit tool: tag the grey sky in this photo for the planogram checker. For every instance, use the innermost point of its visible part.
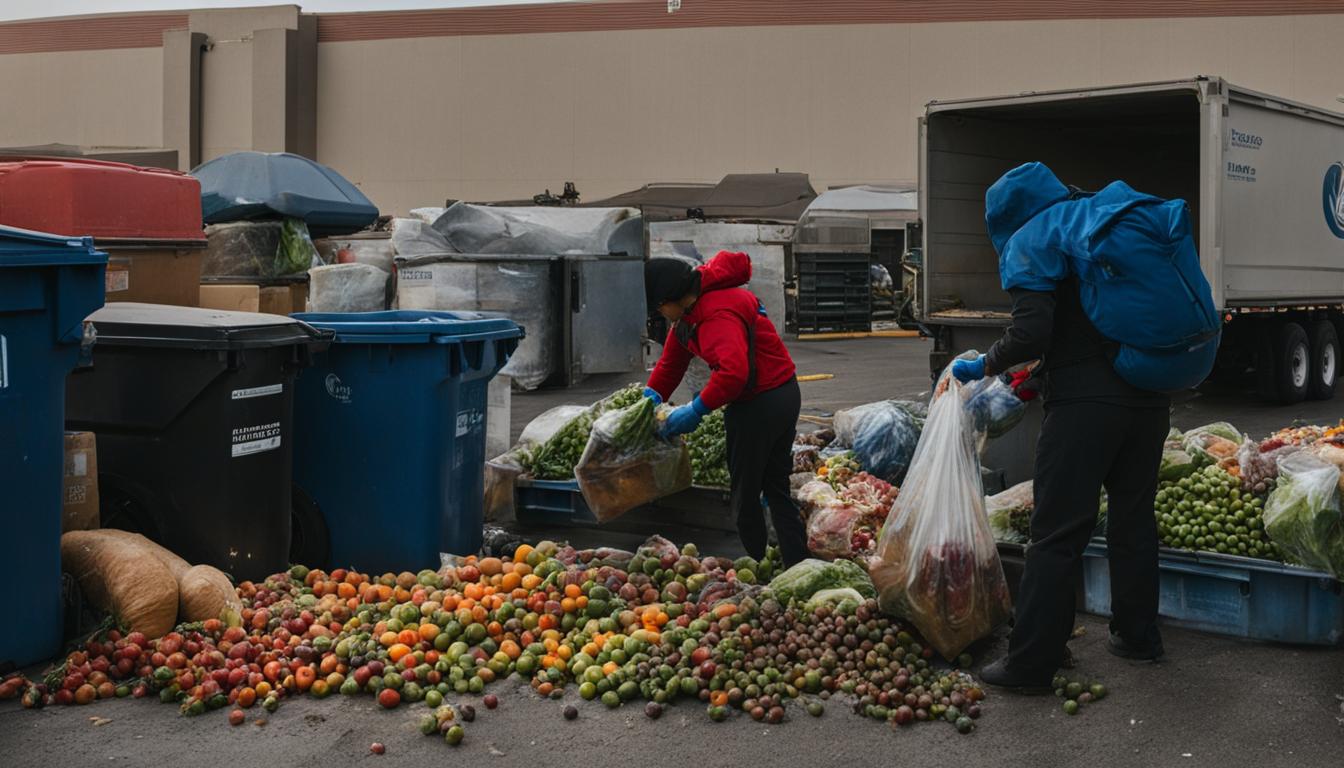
(33, 9)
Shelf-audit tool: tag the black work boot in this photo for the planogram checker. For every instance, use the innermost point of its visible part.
(1001, 675)
(1150, 649)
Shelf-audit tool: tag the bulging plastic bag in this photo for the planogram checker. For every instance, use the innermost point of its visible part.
(937, 564)
(882, 435)
(1302, 515)
(626, 464)
(830, 529)
(1212, 443)
(295, 252)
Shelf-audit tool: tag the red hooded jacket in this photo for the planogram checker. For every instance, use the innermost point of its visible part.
(719, 321)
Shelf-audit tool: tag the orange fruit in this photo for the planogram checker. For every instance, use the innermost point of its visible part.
(428, 631)
(491, 566)
(520, 554)
(397, 651)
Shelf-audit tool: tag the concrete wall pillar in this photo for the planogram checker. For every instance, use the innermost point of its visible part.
(284, 89)
(182, 95)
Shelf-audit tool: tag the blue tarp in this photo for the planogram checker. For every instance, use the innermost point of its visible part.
(259, 185)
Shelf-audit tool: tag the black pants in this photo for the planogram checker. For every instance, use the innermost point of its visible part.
(760, 436)
(1084, 447)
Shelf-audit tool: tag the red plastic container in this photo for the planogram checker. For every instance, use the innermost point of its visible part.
(108, 201)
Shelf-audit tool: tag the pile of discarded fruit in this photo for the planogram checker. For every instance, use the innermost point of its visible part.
(662, 625)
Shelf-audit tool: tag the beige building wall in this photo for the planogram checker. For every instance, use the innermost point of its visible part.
(413, 121)
(92, 98)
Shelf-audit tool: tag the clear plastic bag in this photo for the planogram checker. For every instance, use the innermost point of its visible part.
(814, 494)
(1212, 443)
(295, 252)
(937, 563)
(882, 436)
(993, 406)
(626, 464)
(1302, 515)
(1010, 513)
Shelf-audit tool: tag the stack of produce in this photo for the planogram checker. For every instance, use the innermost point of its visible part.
(709, 452)
(660, 624)
(1210, 511)
(556, 458)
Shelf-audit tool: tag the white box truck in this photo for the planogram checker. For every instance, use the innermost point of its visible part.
(1263, 176)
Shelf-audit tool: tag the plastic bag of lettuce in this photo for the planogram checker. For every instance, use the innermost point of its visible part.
(811, 576)
(1303, 513)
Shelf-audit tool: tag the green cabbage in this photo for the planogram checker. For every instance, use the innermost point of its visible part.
(811, 576)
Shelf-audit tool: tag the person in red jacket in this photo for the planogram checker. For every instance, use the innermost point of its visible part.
(753, 377)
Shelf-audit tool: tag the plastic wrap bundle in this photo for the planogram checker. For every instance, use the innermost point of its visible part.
(413, 237)
(937, 564)
(240, 248)
(372, 248)
(626, 464)
(1303, 514)
(347, 288)
(882, 435)
(519, 288)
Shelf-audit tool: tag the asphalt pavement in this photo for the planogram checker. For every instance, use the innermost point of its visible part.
(1213, 701)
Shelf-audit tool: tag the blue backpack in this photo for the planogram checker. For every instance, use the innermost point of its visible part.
(1135, 260)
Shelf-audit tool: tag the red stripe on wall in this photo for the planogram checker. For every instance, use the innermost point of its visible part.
(88, 33)
(652, 14)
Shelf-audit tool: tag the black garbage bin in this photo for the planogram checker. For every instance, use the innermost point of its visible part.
(193, 409)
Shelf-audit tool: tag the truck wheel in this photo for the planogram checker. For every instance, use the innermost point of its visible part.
(1292, 363)
(1324, 360)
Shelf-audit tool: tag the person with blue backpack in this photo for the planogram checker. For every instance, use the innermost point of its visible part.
(1107, 293)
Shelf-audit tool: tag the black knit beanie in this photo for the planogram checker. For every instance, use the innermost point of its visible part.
(666, 280)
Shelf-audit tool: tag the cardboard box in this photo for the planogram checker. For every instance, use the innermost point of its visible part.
(271, 300)
(79, 500)
(154, 275)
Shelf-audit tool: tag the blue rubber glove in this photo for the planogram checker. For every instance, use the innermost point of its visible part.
(685, 419)
(760, 308)
(653, 395)
(969, 370)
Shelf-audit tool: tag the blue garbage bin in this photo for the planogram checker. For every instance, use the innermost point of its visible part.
(389, 446)
(48, 285)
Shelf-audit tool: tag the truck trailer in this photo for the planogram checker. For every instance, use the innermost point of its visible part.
(1263, 177)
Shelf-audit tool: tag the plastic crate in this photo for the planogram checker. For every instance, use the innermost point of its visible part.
(551, 501)
(1234, 596)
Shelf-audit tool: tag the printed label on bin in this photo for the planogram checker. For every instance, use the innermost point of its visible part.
(415, 276)
(4, 362)
(257, 439)
(270, 389)
(116, 281)
(337, 389)
(469, 421)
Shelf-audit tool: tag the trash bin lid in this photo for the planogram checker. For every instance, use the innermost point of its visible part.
(162, 325)
(412, 326)
(26, 248)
